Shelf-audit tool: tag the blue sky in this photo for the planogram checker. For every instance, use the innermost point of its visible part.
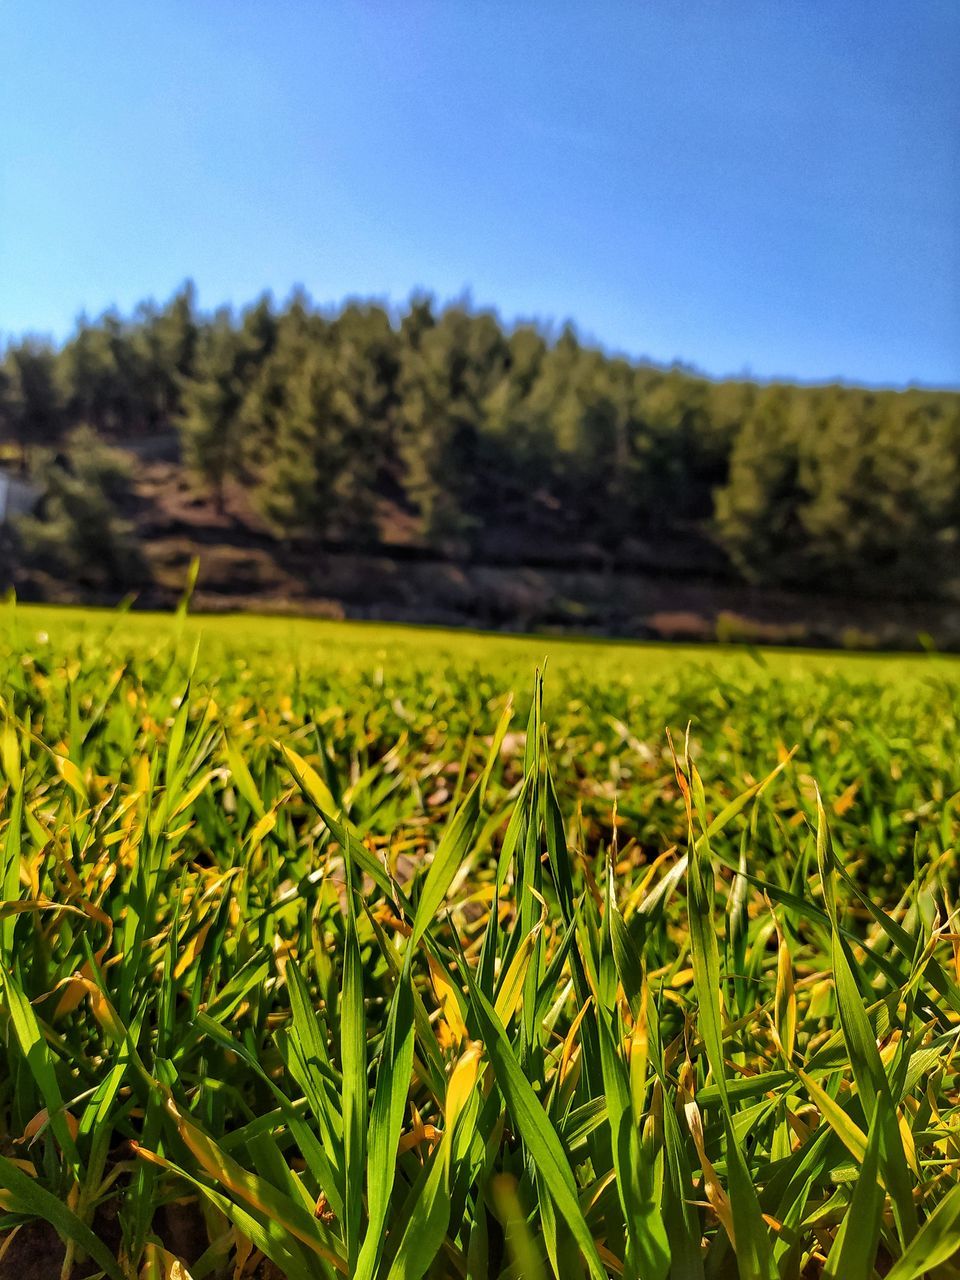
(769, 187)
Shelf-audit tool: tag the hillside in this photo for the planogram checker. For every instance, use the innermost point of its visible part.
(678, 588)
(433, 464)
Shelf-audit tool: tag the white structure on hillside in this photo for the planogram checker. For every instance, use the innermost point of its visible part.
(18, 496)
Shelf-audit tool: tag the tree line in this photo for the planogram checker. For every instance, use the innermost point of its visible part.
(327, 417)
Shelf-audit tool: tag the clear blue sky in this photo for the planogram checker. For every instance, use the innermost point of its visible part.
(769, 186)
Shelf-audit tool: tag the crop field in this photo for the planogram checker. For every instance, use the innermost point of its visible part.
(337, 949)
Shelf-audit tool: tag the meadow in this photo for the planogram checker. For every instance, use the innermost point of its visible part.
(336, 949)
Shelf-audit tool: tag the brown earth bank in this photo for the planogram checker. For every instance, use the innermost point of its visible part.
(517, 579)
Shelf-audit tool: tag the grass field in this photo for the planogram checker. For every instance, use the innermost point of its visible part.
(321, 958)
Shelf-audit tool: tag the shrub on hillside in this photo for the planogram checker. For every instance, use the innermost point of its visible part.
(79, 529)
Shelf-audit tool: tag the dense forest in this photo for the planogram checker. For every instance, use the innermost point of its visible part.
(471, 427)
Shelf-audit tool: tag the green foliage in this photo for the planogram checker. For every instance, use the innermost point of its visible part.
(447, 377)
(845, 483)
(306, 932)
(331, 403)
(477, 432)
(80, 531)
(30, 400)
(212, 397)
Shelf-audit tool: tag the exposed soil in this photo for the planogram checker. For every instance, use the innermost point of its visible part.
(35, 1252)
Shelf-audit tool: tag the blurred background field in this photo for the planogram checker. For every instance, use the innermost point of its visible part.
(875, 730)
(332, 644)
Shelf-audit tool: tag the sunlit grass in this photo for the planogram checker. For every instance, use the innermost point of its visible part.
(314, 934)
